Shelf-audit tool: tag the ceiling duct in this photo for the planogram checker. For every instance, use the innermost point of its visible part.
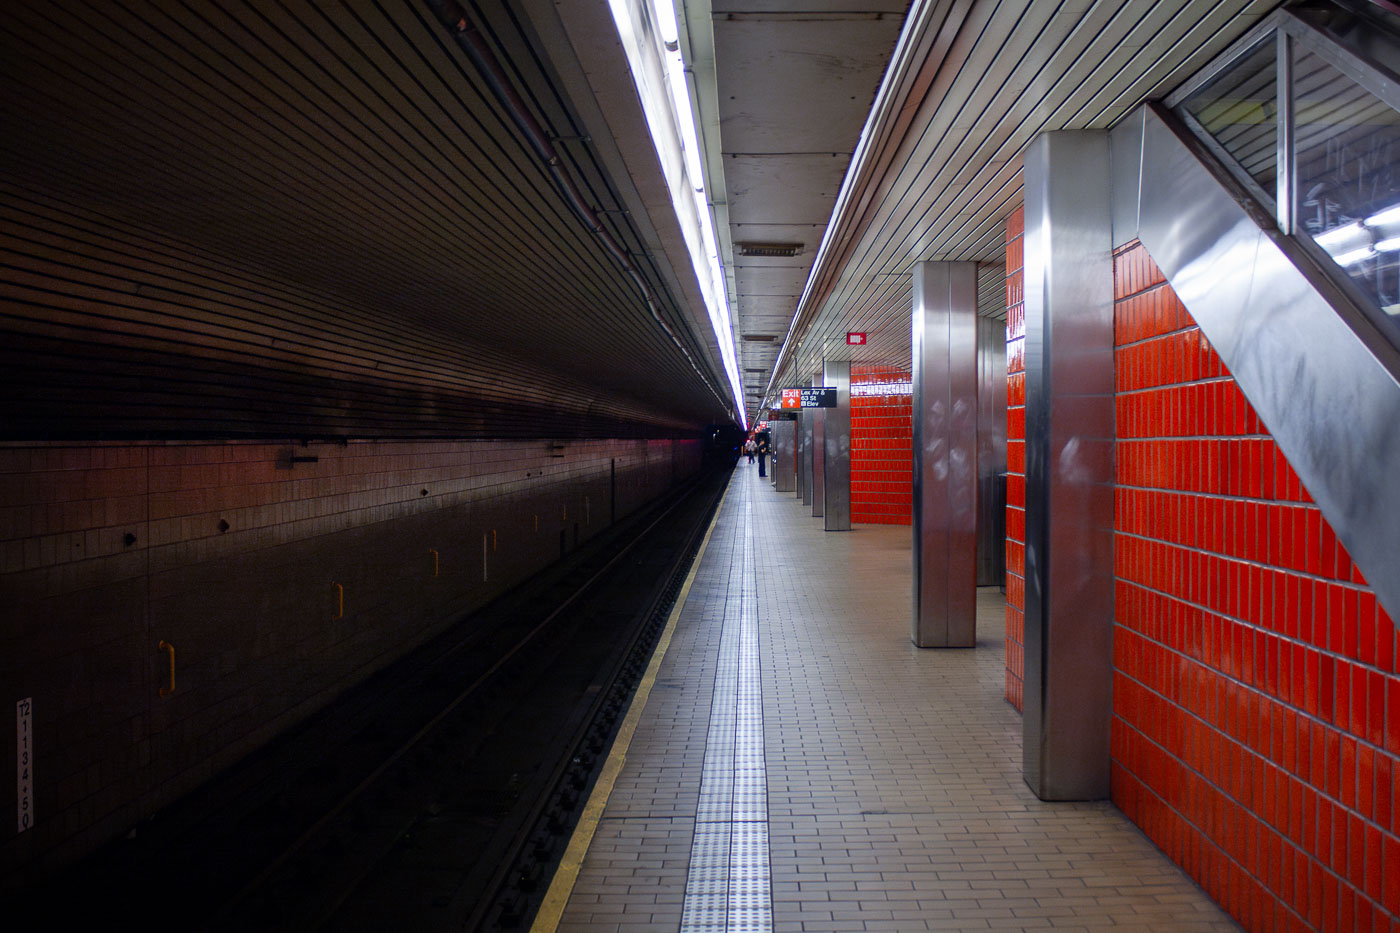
(760, 338)
(769, 250)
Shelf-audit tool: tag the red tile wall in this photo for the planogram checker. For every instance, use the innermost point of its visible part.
(1256, 704)
(229, 552)
(882, 451)
(1015, 460)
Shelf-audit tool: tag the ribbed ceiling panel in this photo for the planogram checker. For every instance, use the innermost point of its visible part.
(1013, 70)
(254, 219)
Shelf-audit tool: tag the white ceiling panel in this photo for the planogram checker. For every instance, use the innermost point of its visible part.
(795, 83)
(769, 280)
(787, 189)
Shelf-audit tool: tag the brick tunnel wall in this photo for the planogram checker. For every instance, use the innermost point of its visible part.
(229, 552)
(1256, 704)
(882, 437)
(1015, 460)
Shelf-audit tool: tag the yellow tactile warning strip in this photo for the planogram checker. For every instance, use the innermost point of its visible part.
(562, 885)
(728, 886)
(895, 798)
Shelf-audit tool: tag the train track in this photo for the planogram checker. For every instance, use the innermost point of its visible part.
(439, 794)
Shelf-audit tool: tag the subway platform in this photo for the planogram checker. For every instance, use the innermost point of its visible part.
(797, 764)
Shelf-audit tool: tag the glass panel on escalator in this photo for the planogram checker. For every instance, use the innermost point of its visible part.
(1239, 109)
(1348, 156)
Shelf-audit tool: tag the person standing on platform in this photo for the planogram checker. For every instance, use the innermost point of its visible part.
(750, 448)
(762, 450)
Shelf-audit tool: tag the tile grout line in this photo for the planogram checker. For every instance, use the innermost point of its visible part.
(728, 885)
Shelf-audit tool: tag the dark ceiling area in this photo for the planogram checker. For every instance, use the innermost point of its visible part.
(229, 220)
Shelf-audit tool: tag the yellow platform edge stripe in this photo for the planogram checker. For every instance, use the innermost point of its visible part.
(561, 886)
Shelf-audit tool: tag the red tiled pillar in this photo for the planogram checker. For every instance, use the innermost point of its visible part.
(1015, 461)
(881, 447)
(1256, 704)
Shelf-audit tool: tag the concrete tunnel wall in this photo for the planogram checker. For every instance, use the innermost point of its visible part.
(230, 552)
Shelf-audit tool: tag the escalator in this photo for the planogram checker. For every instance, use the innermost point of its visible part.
(1269, 196)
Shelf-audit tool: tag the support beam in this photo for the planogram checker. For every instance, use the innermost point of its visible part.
(818, 457)
(945, 455)
(1069, 466)
(784, 447)
(809, 420)
(836, 468)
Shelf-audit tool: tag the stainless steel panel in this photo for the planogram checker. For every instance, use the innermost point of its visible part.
(1314, 369)
(944, 335)
(818, 458)
(801, 429)
(1286, 187)
(991, 450)
(784, 450)
(1125, 161)
(1069, 466)
(809, 419)
(836, 466)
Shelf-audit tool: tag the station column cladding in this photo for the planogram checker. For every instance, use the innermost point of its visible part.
(836, 460)
(1254, 731)
(945, 461)
(1069, 465)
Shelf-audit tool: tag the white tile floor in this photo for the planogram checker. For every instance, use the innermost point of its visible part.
(895, 800)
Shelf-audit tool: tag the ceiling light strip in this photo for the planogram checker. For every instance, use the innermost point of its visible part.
(650, 39)
(471, 41)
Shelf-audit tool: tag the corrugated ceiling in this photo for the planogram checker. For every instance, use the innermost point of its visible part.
(253, 218)
(1011, 70)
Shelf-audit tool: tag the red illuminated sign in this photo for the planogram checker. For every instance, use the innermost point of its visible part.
(792, 398)
(854, 339)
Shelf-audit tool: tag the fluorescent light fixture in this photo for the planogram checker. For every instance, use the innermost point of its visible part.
(650, 36)
(1388, 216)
(1355, 256)
(1339, 235)
(666, 21)
(1388, 246)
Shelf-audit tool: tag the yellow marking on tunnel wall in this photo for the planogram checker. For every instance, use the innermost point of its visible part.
(169, 649)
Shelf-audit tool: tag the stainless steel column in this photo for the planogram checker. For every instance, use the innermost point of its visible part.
(784, 446)
(798, 453)
(809, 419)
(1069, 466)
(836, 467)
(991, 451)
(818, 456)
(945, 455)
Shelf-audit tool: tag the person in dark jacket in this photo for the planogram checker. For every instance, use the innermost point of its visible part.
(763, 455)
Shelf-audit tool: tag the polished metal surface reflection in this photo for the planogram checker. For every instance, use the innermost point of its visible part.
(945, 455)
(1316, 371)
(1125, 162)
(1069, 465)
(818, 457)
(836, 466)
(784, 450)
(991, 451)
(809, 419)
(799, 461)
